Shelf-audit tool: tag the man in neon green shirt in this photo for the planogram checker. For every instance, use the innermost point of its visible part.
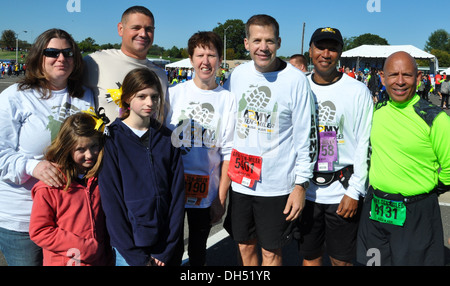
(401, 221)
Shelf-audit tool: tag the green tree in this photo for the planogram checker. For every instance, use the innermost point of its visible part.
(88, 45)
(174, 52)
(364, 39)
(184, 53)
(438, 40)
(235, 32)
(8, 39)
(438, 44)
(109, 46)
(156, 50)
(442, 56)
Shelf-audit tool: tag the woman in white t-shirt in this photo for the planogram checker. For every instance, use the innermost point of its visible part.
(31, 113)
(201, 116)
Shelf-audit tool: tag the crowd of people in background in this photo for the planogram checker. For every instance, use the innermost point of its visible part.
(371, 78)
(430, 84)
(9, 69)
(178, 75)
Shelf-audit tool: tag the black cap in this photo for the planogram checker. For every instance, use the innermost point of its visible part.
(327, 34)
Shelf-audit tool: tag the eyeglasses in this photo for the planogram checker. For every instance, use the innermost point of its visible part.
(54, 53)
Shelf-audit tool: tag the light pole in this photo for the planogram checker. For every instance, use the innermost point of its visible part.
(17, 46)
(225, 45)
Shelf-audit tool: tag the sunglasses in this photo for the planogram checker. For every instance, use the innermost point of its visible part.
(54, 53)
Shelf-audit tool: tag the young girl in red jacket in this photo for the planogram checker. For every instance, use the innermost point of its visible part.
(68, 222)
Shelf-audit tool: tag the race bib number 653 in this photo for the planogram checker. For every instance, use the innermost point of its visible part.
(244, 169)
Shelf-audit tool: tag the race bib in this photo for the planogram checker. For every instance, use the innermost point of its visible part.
(244, 169)
(327, 151)
(196, 187)
(387, 211)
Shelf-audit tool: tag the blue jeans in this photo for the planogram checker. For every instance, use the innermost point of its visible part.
(19, 249)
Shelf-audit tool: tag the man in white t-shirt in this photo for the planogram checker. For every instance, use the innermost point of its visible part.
(202, 116)
(345, 105)
(274, 152)
(105, 70)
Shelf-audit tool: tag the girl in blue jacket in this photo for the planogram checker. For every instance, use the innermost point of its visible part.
(142, 178)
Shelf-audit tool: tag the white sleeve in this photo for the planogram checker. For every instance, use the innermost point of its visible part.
(357, 183)
(13, 163)
(305, 133)
(228, 132)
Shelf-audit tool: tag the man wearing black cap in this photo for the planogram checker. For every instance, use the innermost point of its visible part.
(331, 213)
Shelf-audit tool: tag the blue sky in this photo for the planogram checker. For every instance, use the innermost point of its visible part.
(401, 22)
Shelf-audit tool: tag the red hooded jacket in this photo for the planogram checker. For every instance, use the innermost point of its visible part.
(70, 225)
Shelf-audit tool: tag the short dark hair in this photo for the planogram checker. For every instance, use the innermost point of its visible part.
(205, 39)
(138, 9)
(262, 20)
(301, 58)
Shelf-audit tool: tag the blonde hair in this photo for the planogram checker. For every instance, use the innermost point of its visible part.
(59, 152)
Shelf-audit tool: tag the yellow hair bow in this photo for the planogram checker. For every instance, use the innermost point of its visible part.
(116, 95)
(100, 118)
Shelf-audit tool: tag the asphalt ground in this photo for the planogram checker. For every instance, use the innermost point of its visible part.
(222, 250)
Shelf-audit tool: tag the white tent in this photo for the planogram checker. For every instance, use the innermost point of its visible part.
(185, 63)
(378, 53)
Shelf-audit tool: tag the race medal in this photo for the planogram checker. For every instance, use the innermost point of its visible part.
(327, 151)
(244, 169)
(196, 187)
(387, 211)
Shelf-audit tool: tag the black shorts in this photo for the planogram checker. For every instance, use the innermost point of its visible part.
(420, 241)
(321, 229)
(261, 218)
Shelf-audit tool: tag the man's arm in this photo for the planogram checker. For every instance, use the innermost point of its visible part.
(441, 145)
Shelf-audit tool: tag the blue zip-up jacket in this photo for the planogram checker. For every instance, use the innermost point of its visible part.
(142, 193)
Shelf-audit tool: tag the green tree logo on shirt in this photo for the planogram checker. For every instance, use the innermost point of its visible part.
(59, 114)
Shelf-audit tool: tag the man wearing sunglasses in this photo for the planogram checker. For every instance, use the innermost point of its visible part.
(105, 70)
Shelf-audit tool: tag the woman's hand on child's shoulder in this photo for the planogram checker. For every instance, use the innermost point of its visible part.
(49, 173)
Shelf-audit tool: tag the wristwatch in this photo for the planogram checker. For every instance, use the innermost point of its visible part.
(305, 185)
